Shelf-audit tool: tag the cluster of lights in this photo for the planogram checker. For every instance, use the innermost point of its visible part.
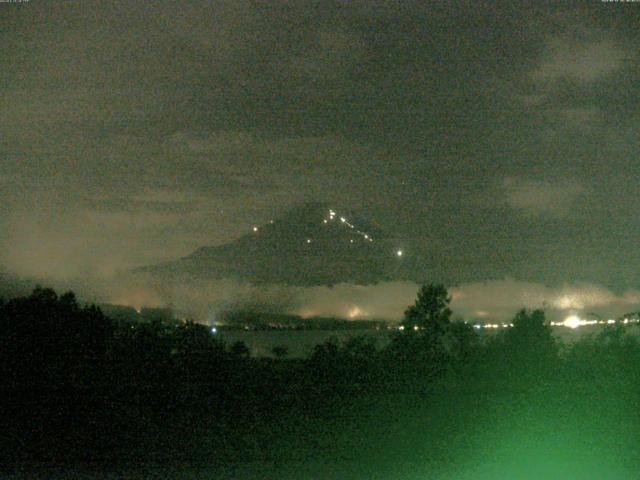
(415, 328)
(332, 217)
(573, 321)
(479, 326)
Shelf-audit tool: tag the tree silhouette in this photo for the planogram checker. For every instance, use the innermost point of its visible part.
(420, 345)
(530, 330)
(460, 340)
(430, 312)
(530, 343)
(46, 339)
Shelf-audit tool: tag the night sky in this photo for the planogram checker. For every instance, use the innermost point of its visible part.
(500, 142)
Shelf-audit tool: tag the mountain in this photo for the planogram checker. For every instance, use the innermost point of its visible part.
(313, 244)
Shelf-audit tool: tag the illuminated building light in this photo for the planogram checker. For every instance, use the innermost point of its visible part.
(351, 240)
(271, 221)
(214, 330)
(343, 220)
(399, 253)
(324, 221)
(366, 236)
(401, 327)
(308, 240)
(416, 328)
(255, 229)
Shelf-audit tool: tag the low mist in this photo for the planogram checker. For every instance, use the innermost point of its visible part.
(204, 301)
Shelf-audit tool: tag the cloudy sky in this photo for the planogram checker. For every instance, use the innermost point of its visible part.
(499, 140)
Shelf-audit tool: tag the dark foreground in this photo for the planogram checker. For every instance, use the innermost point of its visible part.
(84, 397)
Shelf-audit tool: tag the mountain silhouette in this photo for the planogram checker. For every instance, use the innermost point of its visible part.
(312, 244)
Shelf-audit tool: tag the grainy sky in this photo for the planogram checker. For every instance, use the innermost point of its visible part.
(500, 139)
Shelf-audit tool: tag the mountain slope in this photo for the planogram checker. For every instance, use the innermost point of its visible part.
(309, 245)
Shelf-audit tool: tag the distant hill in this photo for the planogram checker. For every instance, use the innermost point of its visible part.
(309, 245)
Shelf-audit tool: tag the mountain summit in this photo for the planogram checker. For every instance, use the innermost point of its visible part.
(313, 244)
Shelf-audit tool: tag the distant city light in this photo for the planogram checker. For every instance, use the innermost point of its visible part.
(572, 321)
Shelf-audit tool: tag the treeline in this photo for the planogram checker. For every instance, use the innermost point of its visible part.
(78, 386)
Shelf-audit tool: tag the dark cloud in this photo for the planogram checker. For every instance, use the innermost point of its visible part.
(496, 139)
